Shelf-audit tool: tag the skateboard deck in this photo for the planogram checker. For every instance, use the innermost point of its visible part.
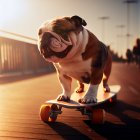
(102, 96)
(50, 110)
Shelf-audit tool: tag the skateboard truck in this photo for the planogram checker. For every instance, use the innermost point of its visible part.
(54, 113)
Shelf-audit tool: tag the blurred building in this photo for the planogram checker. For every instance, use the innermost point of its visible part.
(21, 57)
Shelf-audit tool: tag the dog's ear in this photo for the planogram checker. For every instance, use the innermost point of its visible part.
(78, 21)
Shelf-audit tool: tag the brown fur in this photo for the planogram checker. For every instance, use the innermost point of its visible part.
(63, 26)
(101, 58)
(92, 47)
(93, 50)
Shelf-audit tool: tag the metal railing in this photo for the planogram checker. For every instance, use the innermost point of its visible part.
(18, 56)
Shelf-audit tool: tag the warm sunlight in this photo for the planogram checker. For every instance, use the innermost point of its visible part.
(10, 10)
(63, 80)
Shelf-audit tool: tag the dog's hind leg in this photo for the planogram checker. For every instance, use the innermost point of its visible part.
(107, 71)
(80, 87)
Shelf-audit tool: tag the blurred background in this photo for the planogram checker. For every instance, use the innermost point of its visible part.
(27, 81)
(115, 22)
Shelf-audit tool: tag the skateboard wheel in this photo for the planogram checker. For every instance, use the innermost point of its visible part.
(47, 113)
(98, 116)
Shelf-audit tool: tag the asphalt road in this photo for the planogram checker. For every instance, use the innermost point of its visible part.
(22, 96)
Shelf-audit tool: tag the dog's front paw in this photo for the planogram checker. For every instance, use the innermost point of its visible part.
(88, 99)
(63, 97)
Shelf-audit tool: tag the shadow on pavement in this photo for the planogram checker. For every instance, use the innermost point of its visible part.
(128, 129)
(67, 132)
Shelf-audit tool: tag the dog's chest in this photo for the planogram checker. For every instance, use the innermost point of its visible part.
(78, 69)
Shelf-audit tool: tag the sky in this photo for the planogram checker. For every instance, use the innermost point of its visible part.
(25, 16)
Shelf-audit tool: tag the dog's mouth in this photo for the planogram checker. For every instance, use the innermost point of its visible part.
(53, 45)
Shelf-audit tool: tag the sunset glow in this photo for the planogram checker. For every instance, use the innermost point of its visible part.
(25, 16)
(9, 10)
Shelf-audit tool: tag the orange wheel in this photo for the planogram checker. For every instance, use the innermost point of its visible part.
(45, 113)
(98, 116)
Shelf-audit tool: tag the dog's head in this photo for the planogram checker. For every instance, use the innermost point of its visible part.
(56, 39)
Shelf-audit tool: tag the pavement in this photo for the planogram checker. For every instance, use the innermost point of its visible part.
(21, 97)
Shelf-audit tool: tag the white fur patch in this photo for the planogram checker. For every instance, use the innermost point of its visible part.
(92, 90)
(79, 43)
(91, 94)
(73, 64)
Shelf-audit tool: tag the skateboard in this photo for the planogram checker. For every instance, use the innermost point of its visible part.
(51, 108)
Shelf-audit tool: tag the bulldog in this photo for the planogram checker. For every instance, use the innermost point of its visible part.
(76, 53)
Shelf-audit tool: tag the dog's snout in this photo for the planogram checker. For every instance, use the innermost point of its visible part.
(46, 52)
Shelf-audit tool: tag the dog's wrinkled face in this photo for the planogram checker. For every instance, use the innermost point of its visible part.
(54, 39)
